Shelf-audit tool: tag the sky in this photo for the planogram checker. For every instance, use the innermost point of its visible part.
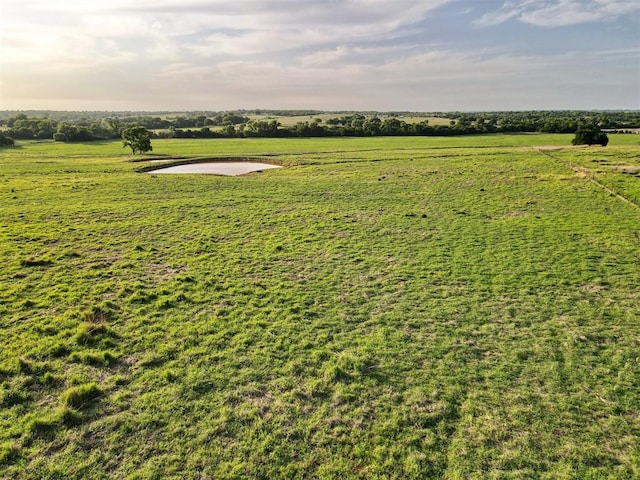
(384, 55)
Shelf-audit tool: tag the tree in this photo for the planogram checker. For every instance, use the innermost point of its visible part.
(228, 131)
(114, 126)
(137, 138)
(72, 133)
(590, 135)
(5, 141)
(261, 128)
(66, 132)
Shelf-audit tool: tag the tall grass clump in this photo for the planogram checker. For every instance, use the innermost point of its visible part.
(80, 396)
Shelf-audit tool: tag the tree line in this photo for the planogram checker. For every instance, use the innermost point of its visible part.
(359, 125)
(238, 124)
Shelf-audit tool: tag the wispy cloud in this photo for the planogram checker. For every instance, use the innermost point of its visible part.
(33, 31)
(558, 13)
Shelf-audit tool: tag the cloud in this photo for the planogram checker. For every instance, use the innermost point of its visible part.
(559, 13)
(438, 80)
(370, 54)
(279, 26)
(83, 33)
(490, 19)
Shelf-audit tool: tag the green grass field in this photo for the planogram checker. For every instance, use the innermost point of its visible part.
(449, 308)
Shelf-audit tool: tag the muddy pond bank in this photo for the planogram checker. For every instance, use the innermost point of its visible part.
(226, 167)
(216, 168)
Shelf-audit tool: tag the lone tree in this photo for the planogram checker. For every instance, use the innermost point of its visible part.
(138, 138)
(590, 135)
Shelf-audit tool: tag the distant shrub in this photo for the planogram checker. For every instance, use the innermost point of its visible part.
(5, 141)
(590, 135)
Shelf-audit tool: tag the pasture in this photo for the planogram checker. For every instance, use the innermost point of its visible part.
(289, 121)
(387, 307)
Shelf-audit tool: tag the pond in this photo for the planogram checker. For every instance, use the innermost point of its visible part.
(217, 168)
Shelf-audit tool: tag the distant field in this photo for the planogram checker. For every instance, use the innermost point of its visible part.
(388, 307)
(292, 120)
(255, 146)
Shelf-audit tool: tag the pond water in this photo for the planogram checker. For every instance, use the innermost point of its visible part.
(217, 168)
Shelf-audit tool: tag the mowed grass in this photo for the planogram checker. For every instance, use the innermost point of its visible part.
(382, 308)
